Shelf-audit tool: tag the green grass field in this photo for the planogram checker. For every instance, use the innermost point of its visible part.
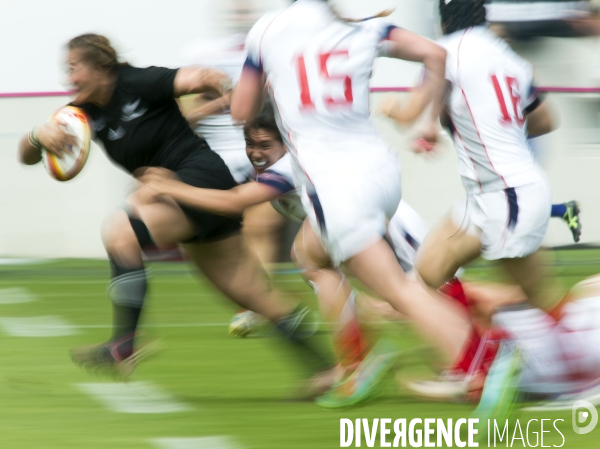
(223, 386)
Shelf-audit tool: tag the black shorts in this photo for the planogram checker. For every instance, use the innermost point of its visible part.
(205, 168)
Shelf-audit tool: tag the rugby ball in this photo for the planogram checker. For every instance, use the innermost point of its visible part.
(75, 121)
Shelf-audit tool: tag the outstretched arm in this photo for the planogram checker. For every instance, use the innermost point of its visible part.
(231, 202)
(409, 46)
(196, 80)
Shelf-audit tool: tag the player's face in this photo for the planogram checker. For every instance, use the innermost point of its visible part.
(263, 149)
(83, 78)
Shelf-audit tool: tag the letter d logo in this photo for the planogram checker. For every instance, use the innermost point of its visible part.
(579, 417)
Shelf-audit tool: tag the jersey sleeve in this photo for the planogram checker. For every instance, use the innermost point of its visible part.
(532, 96)
(156, 84)
(387, 31)
(534, 99)
(276, 180)
(382, 28)
(253, 43)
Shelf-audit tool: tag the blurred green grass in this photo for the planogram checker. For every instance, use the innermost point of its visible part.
(237, 388)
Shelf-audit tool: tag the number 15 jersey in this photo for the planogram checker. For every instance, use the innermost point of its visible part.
(492, 91)
(318, 69)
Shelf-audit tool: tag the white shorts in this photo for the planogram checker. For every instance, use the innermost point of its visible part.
(509, 223)
(238, 163)
(407, 230)
(349, 208)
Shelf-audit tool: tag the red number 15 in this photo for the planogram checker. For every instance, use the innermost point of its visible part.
(306, 100)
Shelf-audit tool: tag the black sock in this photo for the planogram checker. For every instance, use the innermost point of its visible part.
(127, 291)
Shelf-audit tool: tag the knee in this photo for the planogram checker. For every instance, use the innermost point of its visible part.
(120, 238)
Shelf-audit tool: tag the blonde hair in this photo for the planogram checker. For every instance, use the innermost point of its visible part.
(380, 14)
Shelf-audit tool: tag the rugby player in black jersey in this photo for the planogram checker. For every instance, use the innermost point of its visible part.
(136, 119)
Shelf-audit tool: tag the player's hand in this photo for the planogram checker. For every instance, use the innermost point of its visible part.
(427, 141)
(149, 193)
(55, 138)
(215, 80)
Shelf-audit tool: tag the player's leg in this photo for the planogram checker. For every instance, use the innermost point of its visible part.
(518, 247)
(124, 235)
(437, 317)
(236, 271)
(534, 275)
(569, 212)
(445, 249)
(337, 298)
(263, 226)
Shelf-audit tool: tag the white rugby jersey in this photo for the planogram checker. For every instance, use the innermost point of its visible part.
(280, 176)
(318, 69)
(227, 54)
(491, 89)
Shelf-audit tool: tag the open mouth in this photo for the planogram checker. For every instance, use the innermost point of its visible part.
(259, 163)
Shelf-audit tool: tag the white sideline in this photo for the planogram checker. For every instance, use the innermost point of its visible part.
(38, 326)
(16, 295)
(133, 397)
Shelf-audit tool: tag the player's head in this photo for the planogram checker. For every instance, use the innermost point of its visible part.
(264, 145)
(91, 59)
(460, 14)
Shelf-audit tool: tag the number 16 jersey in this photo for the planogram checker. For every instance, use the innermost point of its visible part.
(492, 91)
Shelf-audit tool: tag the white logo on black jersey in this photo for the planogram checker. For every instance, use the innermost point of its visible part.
(99, 124)
(129, 111)
(116, 134)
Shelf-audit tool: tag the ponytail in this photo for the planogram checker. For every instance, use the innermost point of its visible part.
(380, 14)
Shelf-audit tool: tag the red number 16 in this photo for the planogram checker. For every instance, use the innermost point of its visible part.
(513, 88)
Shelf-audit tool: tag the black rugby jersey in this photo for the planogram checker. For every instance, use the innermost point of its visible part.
(142, 125)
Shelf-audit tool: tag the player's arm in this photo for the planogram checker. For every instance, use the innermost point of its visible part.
(196, 80)
(403, 44)
(194, 113)
(50, 136)
(247, 97)
(540, 120)
(231, 202)
(405, 113)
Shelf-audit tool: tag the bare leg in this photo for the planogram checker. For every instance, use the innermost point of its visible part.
(445, 249)
(438, 318)
(263, 227)
(236, 272)
(337, 298)
(534, 275)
